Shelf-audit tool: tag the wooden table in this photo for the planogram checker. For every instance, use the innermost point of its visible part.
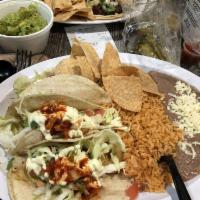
(58, 44)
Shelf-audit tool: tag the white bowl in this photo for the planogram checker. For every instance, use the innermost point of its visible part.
(35, 42)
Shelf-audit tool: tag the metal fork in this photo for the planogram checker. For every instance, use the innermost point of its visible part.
(23, 59)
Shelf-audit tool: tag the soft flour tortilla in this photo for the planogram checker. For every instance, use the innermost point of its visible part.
(63, 141)
(21, 188)
(76, 91)
(108, 17)
(35, 101)
(72, 90)
(25, 140)
(35, 138)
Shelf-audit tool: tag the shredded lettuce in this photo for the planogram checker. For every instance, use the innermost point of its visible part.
(80, 122)
(56, 192)
(12, 129)
(108, 141)
(104, 144)
(112, 120)
(22, 82)
(8, 128)
(10, 163)
(110, 114)
(6, 124)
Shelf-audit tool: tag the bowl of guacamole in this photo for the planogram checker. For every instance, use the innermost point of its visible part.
(24, 21)
(24, 24)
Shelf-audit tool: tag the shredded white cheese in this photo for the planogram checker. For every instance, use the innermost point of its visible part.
(186, 106)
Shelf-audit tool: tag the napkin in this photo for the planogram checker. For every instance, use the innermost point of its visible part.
(97, 35)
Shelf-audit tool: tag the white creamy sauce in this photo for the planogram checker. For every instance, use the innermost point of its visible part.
(35, 164)
(71, 114)
(79, 120)
(40, 156)
(39, 119)
(75, 134)
(88, 122)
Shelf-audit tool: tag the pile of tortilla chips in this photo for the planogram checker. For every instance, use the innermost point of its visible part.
(125, 84)
(83, 61)
(66, 9)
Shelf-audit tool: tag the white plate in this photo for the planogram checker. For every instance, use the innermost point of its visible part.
(6, 95)
(133, 9)
(86, 21)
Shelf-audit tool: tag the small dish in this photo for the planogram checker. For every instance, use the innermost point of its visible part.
(35, 42)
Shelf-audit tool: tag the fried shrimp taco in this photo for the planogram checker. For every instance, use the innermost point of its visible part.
(61, 108)
(72, 171)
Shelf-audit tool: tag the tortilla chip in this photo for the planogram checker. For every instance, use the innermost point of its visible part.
(76, 49)
(68, 66)
(80, 6)
(126, 91)
(124, 70)
(86, 69)
(19, 186)
(92, 58)
(83, 61)
(110, 60)
(148, 84)
(49, 3)
(64, 16)
(61, 5)
(76, 1)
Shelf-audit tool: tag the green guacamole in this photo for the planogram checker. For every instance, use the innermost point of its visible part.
(25, 21)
